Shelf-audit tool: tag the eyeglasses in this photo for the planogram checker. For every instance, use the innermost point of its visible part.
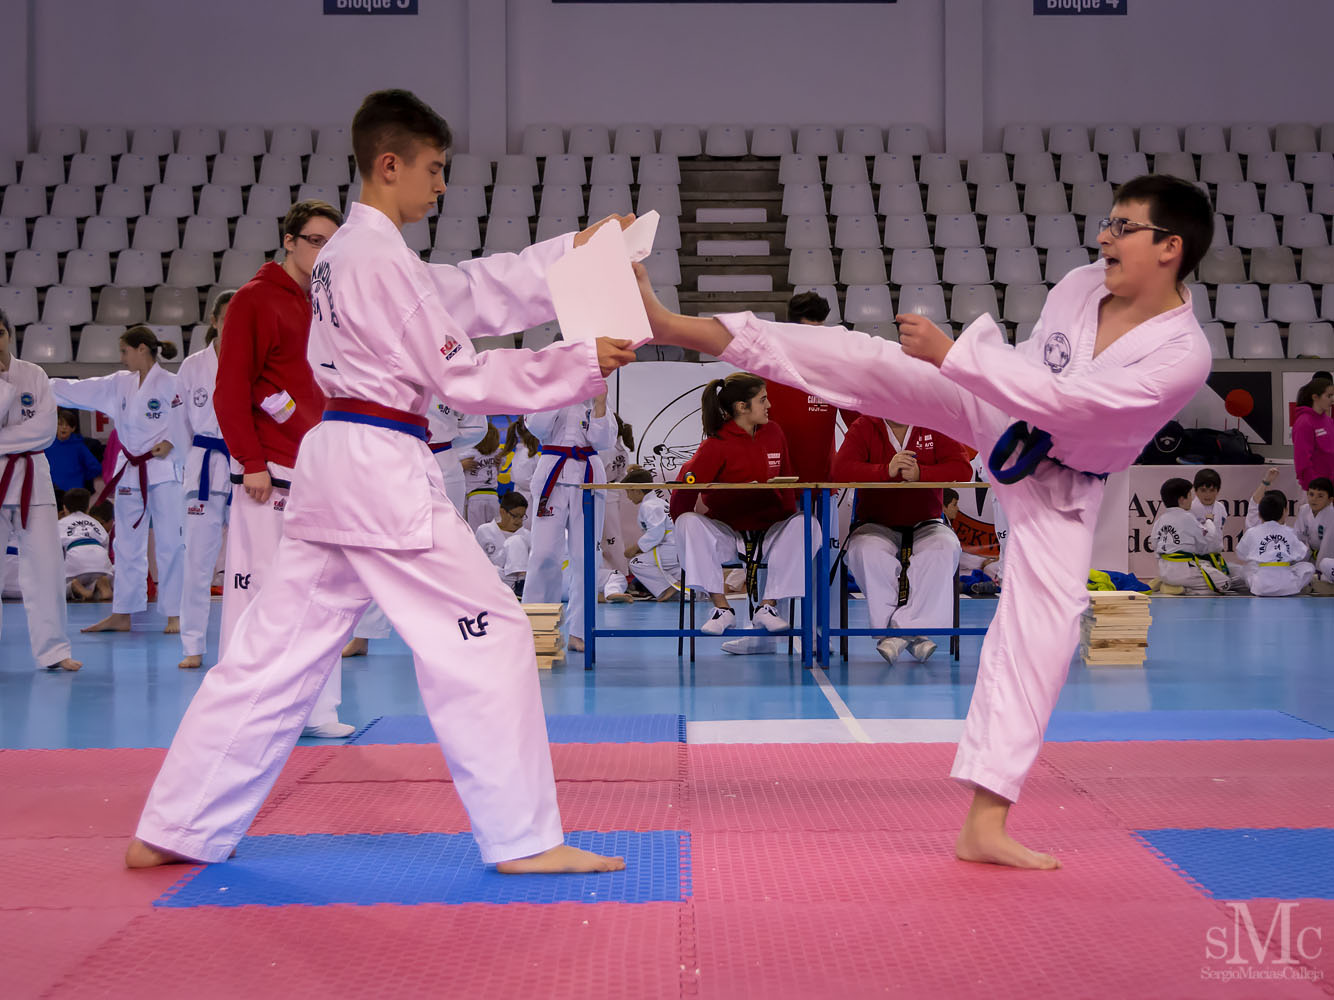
(316, 241)
(1119, 227)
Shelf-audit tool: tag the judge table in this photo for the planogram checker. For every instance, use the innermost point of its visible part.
(814, 630)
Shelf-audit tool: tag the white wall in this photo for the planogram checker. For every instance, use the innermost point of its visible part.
(142, 61)
(270, 61)
(721, 63)
(1166, 61)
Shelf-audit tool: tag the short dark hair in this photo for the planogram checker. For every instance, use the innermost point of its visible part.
(807, 306)
(303, 211)
(1322, 483)
(1273, 505)
(638, 474)
(512, 500)
(949, 496)
(389, 120)
(1179, 207)
(1209, 479)
(1316, 387)
(1324, 375)
(64, 415)
(4, 323)
(103, 511)
(77, 500)
(1174, 491)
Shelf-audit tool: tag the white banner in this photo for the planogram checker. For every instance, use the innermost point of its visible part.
(1239, 482)
(660, 400)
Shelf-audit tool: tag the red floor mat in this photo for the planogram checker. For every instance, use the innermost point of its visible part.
(997, 949)
(566, 950)
(42, 946)
(85, 872)
(1223, 802)
(571, 761)
(421, 807)
(1191, 758)
(883, 868)
(781, 803)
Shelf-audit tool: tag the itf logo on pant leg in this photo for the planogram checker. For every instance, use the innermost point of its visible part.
(240, 581)
(474, 628)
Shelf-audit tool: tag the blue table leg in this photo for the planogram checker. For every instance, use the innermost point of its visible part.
(826, 547)
(812, 585)
(589, 583)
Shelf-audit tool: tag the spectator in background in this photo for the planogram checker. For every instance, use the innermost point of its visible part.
(73, 465)
(807, 422)
(1313, 432)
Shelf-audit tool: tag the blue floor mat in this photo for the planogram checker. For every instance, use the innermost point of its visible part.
(409, 869)
(560, 729)
(1227, 724)
(1251, 864)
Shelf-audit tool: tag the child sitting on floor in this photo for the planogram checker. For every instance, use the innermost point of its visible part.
(653, 557)
(1315, 527)
(1273, 551)
(84, 542)
(1189, 560)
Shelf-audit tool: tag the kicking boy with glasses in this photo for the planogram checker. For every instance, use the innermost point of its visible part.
(1115, 354)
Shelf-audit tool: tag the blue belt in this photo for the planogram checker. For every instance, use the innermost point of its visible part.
(210, 445)
(1033, 446)
(438, 446)
(360, 411)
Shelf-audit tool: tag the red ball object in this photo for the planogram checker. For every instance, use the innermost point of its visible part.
(1239, 403)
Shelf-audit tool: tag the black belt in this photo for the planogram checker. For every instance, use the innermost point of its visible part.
(279, 484)
(1032, 445)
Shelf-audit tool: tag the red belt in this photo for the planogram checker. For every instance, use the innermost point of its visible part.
(360, 411)
(438, 446)
(25, 494)
(140, 462)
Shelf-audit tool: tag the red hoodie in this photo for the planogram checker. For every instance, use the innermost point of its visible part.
(864, 458)
(734, 456)
(263, 351)
(1312, 445)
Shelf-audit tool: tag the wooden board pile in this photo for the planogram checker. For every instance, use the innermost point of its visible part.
(545, 621)
(1114, 631)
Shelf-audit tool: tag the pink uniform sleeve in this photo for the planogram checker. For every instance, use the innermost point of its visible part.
(490, 296)
(500, 381)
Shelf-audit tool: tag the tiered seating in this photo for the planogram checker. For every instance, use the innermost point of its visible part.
(990, 233)
(105, 227)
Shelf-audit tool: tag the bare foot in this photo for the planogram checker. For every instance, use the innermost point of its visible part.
(357, 647)
(561, 859)
(984, 840)
(66, 664)
(621, 598)
(111, 623)
(141, 855)
(191, 662)
(667, 595)
(575, 645)
(173, 625)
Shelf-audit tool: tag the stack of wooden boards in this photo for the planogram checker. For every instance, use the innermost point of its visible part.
(545, 621)
(1114, 631)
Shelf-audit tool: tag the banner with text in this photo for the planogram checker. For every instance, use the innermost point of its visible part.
(370, 6)
(1080, 6)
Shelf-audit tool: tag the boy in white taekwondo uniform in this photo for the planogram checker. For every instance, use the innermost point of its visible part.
(207, 490)
(1273, 553)
(653, 556)
(1116, 352)
(1184, 545)
(571, 439)
(368, 519)
(145, 403)
(86, 548)
(1315, 527)
(506, 541)
(451, 430)
(28, 502)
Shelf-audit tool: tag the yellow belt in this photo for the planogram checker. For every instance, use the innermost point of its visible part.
(1188, 557)
(1275, 564)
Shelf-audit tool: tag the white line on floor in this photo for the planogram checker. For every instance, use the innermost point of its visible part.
(840, 706)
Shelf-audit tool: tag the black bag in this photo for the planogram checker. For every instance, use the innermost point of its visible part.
(1205, 446)
(1165, 446)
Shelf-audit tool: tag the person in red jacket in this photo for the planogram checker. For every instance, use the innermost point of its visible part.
(1313, 432)
(807, 421)
(740, 445)
(266, 400)
(888, 522)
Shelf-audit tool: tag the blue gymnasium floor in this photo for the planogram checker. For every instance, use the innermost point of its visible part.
(1260, 665)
